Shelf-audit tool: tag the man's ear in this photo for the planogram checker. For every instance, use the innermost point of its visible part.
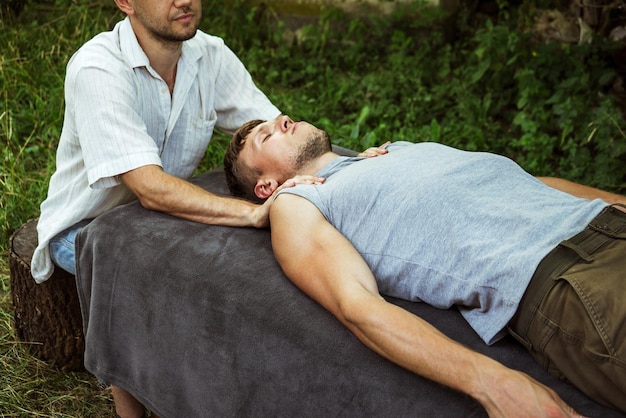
(126, 6)
(265, 187)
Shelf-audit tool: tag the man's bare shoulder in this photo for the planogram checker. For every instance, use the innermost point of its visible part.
(288, 206)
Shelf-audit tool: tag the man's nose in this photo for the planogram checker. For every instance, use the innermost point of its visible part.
(180, 4)
(284, 122)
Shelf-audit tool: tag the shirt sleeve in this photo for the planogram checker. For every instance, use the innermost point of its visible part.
(112, 135)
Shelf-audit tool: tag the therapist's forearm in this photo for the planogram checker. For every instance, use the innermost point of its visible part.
(162, 192)
(190, 202)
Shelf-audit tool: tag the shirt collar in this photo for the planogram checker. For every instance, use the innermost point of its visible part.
(130, 47)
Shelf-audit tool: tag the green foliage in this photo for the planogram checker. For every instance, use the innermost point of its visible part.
(548, 106)
(495, 88)
(492, 86)
(35, 48)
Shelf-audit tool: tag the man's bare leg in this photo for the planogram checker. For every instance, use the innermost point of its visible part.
(126, 406)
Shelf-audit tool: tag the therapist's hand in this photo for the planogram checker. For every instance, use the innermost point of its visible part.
(375, 151)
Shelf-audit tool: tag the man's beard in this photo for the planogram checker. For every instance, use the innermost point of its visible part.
(173, 37)
(167, 36)
(161, 32)
(317, 144)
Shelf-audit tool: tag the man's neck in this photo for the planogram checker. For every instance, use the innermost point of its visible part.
(163, 56)
(317, 164)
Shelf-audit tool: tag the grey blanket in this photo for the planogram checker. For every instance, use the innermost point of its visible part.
(199, 321)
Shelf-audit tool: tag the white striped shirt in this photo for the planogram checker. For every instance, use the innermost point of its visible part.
(119, 116)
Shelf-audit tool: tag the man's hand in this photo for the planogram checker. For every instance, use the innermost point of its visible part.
(515, 394)
(375, 151)
(314, 180)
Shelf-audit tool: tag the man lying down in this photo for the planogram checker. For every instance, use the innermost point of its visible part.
(540, 258)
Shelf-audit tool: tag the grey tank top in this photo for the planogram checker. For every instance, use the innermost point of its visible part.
(448, 227)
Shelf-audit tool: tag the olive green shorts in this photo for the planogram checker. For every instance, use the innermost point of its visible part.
(573, 315)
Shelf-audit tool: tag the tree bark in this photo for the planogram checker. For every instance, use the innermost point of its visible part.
(47, 315)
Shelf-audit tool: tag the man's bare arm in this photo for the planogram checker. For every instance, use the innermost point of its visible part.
(582, 191)
(159, 191)
(327, 267)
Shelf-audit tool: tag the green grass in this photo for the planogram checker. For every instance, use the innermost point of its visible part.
(495, 87)
(31, 388)
(35, 48)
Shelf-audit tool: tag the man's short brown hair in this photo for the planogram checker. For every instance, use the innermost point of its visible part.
(240, 178)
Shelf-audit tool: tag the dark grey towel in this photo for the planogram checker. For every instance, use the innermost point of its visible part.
(199, 321)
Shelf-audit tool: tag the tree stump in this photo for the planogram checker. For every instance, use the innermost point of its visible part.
(47, 315)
